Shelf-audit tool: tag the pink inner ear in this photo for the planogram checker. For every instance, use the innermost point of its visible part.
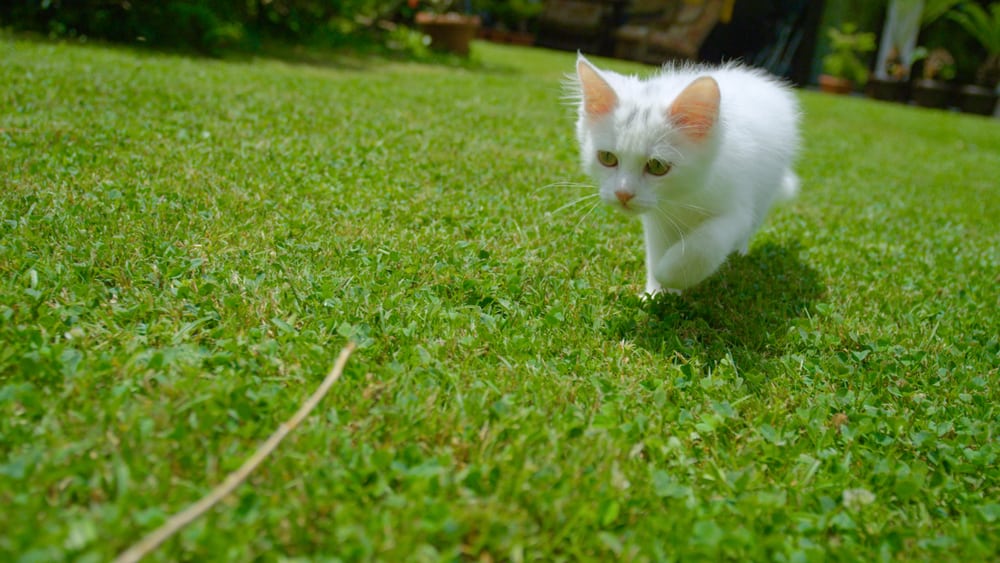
(696, 109)
(598, 96)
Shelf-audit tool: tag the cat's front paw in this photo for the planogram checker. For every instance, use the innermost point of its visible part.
(652, 290)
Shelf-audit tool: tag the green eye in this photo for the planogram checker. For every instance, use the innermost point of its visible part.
(657, 167)
(607, 158)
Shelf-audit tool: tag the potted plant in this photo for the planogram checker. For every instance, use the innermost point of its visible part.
(890, 83)
(904, 20)
(984, 27)
(843, 67)
(448, 30)
(932, 89)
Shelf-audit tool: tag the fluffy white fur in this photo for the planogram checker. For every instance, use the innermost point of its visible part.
(729, 142)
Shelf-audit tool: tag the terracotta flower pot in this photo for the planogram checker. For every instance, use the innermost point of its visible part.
(449, 32)
(834, 85)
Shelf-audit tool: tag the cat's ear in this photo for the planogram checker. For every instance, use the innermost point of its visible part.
(599, 99)
(696, 109)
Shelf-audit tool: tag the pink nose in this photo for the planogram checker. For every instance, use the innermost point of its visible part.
(624, 196)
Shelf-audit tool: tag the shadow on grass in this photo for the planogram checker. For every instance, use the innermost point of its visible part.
(744, 310)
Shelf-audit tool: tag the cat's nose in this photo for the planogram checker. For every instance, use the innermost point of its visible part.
(624, 196)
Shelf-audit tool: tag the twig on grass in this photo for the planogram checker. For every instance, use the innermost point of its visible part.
(233, 480)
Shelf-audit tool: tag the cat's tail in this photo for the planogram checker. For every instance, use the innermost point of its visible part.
(789, 186)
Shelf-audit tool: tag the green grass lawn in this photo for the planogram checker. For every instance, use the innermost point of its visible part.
(185, 246)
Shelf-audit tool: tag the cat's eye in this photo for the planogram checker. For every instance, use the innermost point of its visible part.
(607, 158)
(657, 167)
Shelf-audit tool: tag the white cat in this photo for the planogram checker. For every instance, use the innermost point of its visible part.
(698, 153)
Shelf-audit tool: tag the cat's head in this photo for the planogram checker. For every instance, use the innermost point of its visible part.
(640, 141)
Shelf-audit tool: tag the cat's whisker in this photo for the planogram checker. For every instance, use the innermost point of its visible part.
(572, 203)
(584, 216)
(665, 211)
(673, 223)
(685, 205)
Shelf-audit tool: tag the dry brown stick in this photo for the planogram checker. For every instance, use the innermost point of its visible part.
(233, 480)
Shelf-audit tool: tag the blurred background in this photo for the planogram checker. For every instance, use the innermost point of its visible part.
(928, 52)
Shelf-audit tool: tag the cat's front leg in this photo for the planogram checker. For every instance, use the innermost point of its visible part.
(700, 253)
(659, 236)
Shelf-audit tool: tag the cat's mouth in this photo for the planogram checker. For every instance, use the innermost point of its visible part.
(630, 207)
(626, 202)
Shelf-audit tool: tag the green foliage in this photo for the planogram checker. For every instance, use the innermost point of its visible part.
(515, 15)
(434, 6)
(981, 24)
(847, 47)
(209, 27)
(935, 9)
(985, 28)
(185, 245)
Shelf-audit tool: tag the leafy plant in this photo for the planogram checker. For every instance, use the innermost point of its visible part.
(938, 64)
(848, 45)
(432, 6)
(934, 9)
(904, 19)
(211, 26)
(514, 15)
(984, 26)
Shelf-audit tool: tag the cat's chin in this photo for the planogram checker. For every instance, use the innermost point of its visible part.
(629, 209)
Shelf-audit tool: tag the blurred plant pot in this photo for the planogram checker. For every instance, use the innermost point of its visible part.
(931, 93)
(835, 85)
(521, 38)
(976, 99)
(449, 32)
(511, 37)
(888, 90)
